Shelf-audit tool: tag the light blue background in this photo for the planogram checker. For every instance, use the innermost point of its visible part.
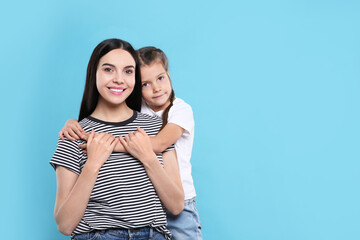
(274, 86)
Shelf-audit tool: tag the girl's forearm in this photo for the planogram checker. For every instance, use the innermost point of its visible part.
(70, 212)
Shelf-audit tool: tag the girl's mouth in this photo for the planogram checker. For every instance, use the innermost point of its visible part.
(159, 96)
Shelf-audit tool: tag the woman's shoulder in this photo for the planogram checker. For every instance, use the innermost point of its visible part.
(148, 117)
(88, 123)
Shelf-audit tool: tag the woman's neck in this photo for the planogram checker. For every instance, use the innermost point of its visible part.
(112, 113)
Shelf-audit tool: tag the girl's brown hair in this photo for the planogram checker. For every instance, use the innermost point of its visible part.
(151, 55)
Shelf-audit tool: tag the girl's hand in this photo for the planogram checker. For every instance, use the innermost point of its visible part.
(72, 130)
(99, 148)
(138, 144)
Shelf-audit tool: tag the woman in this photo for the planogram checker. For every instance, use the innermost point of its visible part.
(113, 195)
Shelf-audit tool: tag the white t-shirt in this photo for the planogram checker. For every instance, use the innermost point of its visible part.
(181, 114)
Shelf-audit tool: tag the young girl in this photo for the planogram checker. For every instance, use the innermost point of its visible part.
(106, 194)
(178, 127)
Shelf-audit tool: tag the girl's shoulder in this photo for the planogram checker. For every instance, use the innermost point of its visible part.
(180, 105)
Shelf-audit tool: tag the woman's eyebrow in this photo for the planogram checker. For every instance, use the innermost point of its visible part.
(112, 65)
(130, 66)
(108, 64)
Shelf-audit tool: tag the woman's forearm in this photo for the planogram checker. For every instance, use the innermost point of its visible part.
(169, 190)
(72, 208)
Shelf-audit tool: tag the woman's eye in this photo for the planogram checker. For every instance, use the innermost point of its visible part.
(145, 84)
(108, 70)
(129, 71)
(161, 78)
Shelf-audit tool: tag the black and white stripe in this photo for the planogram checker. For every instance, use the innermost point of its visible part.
(123, 195)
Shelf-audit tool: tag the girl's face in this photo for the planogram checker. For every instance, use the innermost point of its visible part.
(156, 86)
(115, 76)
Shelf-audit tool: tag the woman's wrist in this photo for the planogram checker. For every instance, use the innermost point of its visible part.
(90, 167)
(149, 160)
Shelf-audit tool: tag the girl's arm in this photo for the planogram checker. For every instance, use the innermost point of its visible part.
(73, 191)
(166, 180)
(73, 131)
(164, 139)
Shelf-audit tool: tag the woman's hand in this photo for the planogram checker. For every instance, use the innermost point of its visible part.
(99, 148)
(138, 144)
(72, 131)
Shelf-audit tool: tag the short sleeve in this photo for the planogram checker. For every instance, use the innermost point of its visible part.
(172, 147)
(67, 155)
(181, 114)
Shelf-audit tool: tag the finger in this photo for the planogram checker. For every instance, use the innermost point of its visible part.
(99, 136)
(61, 134)
(73, 134)
(122, 141)
(78, 133)
(67, 135)
(109, 138)
(105, 138)
(84, 151)
(113, 143)
(79, 128)
(127, 139)
(83, 146)
(91, 136)
(130, 135)
(142, 131)
(85, 136)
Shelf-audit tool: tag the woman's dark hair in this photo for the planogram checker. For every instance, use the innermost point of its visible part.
(91, 94)
(149, 56)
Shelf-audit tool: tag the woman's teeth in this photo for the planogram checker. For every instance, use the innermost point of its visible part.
(117, 90)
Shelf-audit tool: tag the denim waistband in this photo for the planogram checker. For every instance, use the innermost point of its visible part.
(121, 232)
(189, 201)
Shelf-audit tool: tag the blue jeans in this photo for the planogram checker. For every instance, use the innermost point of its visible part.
(186, 225)
(145, 233)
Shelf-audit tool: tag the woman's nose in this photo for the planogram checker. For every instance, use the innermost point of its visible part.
(118, 79)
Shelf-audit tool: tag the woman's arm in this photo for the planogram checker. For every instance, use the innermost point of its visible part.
(73, 191)
(166, 180)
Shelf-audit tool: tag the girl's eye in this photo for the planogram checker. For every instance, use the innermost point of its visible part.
(145, 84)
(129, 71)
(108, 70)
(161, 78)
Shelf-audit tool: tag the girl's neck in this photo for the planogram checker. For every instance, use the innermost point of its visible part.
(112, 113)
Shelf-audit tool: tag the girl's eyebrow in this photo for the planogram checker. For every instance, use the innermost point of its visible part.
(160, 74)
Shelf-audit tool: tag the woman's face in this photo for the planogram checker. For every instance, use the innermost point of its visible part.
(115, 76)
(156, 86)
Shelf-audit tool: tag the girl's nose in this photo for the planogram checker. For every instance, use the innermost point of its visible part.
(156, 87)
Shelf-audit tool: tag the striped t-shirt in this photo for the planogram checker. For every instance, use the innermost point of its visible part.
(123, 195)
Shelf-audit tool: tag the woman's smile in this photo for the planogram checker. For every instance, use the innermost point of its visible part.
(116, 90)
